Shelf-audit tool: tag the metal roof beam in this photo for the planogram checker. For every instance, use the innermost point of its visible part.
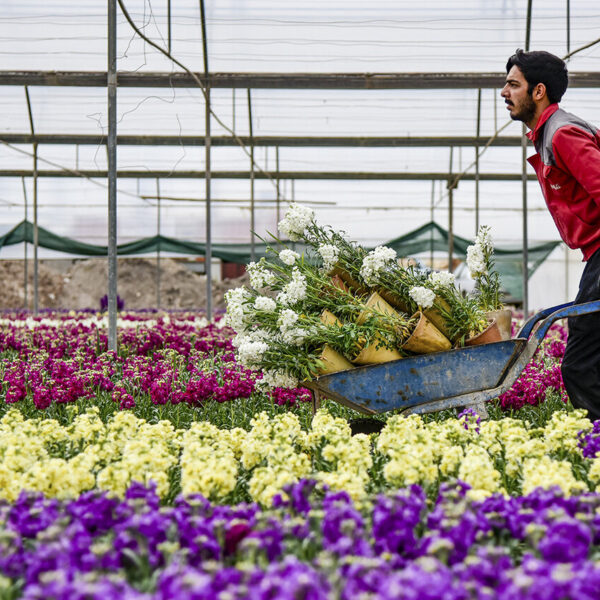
(270, 141)
(331, 81)
(293, 175)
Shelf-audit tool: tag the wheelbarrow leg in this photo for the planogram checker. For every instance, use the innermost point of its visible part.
(480, 409)
(316, 401)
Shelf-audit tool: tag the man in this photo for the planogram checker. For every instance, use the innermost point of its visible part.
(567, 165)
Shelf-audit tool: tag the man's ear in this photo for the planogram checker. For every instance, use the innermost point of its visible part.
(539, 92)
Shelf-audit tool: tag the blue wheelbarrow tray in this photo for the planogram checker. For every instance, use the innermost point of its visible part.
(442, 380)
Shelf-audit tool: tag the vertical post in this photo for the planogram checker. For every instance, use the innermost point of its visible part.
(566, 272)
(525, 232)
(477, 161)
(431, 221)
(252, 207)
(158, 243)
(35, 208)
(207, 170)
(524, 185)
(36, 237)
(112, 175)
(450, 214)
(25, 268)
(278, 187)
(568, 26)
(169, 26)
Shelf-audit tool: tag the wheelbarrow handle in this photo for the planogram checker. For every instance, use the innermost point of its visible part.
(528, 326)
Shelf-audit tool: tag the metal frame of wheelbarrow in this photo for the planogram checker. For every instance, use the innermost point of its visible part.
(442, 380)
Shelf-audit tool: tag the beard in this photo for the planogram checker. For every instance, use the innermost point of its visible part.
(525, 112)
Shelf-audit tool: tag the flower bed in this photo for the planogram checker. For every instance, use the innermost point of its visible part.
(313, 544)
(509, 456)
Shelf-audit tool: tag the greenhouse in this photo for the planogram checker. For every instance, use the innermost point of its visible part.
(286, 311)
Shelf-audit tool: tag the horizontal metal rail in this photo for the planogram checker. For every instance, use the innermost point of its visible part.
(264, 140)
(293, 175)
(332, 81)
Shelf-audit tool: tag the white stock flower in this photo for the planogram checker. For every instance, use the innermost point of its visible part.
(484, 239)
(265, 303)
(423, 296)
(279, 378)
(441, 278)
(251, 353)
(259, 276)
(475, 260)
(294, 336)
(375, 262)
(236, 309)
(296, 220)
(295, 290)
(288, 257)
(329, 253)
(287, 319)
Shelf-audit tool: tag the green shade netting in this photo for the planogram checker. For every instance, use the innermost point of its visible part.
(427, 238)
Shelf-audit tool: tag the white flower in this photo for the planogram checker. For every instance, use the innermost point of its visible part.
(329, 253)
(295, 222)
(294, 336)
(441, 278)
(484, 239)
(277, 379)
(237, 315)
(265, 303)
(423, 296)
(287, 319)
(259, 276)
(375, 262)
(288, 257)
(475, 260)
(295, 290)
(251, 353)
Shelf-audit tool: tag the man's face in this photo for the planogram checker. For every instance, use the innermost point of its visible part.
(518, 102)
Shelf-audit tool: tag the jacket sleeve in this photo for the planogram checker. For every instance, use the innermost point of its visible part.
(578, 153)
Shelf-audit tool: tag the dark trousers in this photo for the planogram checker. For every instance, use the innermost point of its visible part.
(581, 363)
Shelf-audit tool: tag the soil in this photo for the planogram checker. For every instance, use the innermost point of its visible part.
(79, 284)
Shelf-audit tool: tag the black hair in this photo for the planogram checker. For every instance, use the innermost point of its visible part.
(541, 67)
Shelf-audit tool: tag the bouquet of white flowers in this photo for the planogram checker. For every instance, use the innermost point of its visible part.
(300, 311)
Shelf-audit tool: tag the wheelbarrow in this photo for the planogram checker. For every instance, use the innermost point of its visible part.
(443, 380)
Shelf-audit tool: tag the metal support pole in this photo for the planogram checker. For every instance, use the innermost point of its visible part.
(112, 174)
(431, 220)
(568, 26)
(35, 209)
(278, 188)
(36, 237)
(477, 161)
(525, 233)
(252, 207)
(25, 269)
(451, 186)
(158, 242)
(169, 26)
(524, 185)
(567, 296)
(528, 27)
(207, 177)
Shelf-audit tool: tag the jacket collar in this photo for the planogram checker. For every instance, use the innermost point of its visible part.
(548, 112)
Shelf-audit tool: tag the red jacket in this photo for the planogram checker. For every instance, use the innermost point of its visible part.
(567, 165)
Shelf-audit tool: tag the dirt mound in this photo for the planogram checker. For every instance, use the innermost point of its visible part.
(12, 290)
(86, 281)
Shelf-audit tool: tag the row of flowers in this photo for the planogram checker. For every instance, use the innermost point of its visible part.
(509, 456)
(313, 543)
(64, 358)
